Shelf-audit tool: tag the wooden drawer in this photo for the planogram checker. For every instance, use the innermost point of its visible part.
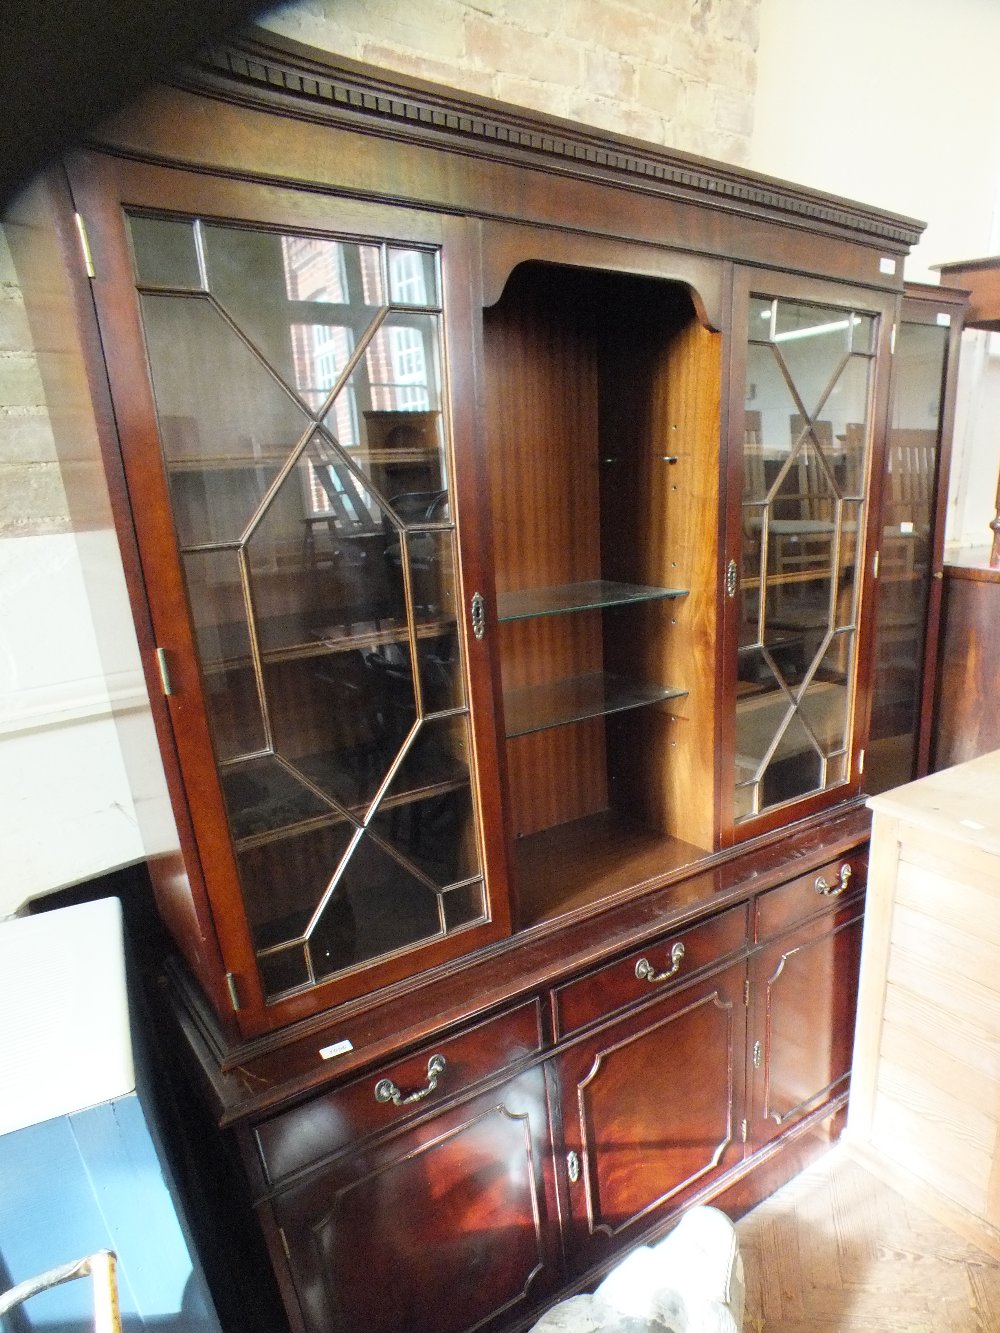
(321, 1127)
(804, 896)
(672, 957)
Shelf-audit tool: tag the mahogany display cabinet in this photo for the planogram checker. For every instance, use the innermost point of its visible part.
(508, 507)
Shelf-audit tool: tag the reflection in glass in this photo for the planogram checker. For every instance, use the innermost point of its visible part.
(298, 391)
(165, 253)
(805, 463)
(905, 553)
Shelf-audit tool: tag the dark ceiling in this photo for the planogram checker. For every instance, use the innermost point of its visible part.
(66, 66)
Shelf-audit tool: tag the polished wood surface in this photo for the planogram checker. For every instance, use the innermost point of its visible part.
(810, 894)
(323, 1126)
(446, 1227)
(967, 720)
(651, 1110)
(660, 965)
(803, 993)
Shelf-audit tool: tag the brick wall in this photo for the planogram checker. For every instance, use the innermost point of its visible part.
(677, 72)
(32, 496)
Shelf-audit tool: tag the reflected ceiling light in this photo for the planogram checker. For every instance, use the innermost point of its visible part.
(816, 330)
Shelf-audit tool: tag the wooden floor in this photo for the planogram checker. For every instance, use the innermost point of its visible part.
(836, 1250)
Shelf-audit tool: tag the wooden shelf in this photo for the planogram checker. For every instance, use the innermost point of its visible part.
(583, 862)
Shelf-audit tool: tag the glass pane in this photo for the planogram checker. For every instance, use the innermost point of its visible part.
(343, 720)
(222, 633)
(401, 365)
(303, 302)
(319, 559)
(263, 795)
(226, 426)
(464, 905)
(437, 756)
(761, 709)
(403, 452)
(413, 277)
(905, 554)
(436, 834)
(761, 318)
(848, 587)
(805, 467)
(164, 253)
(796, 766)
(378, 906)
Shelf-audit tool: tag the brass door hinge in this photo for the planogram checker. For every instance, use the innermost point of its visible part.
(234, 995)
(88, 259)
(164, 669)
(744, 1131)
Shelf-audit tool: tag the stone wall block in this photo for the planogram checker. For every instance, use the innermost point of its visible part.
(609, 75)
(32, 500)
(554, 59)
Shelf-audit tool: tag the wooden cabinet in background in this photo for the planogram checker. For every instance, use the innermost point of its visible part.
(499, 501)
(924, 1112)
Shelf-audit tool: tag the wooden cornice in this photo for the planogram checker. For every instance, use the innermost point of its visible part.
(265, 71)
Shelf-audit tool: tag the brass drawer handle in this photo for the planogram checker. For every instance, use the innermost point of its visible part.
(645, 971)
(832, 890)
(386, 1090)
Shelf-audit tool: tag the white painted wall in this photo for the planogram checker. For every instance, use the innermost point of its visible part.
(893, 103)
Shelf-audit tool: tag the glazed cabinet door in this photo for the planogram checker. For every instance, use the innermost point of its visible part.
(288, 375)
(651, 1113)
(809, 400)
(447, 1227)
(803, 1003)
(911, 537)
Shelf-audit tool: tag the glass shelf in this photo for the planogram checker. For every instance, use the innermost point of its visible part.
(305, 640)
(538, 707)
(267, 803)
(276, 459)
(595, 594)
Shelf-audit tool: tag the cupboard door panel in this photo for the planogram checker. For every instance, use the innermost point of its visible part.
(446, 1228)
(804, 990)
(650, 1111)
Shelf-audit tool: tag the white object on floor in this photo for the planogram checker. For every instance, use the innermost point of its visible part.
(690, 1282)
